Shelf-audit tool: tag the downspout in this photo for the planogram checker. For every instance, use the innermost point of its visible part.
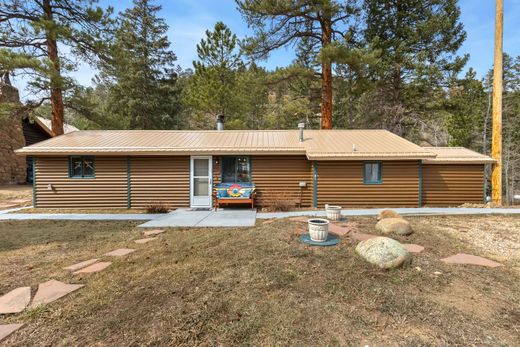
(34, 181)
(420, 184)
(128, 184)
(315, 184)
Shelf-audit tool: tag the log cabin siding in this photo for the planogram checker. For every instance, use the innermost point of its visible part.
(107, 190)
(452, 184)
(278, 177)
(341, 183)
(160, 179)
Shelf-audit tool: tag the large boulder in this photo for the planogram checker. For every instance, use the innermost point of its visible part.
(388, 214)
(384, 252)
(394, 226)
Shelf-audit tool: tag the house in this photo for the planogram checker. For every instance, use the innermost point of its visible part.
(351, 168)
(37, 129)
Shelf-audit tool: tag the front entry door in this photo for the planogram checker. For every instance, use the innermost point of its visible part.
(201, 182)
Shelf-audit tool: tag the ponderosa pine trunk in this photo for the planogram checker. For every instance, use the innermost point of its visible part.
(326, 77)
(55, 78)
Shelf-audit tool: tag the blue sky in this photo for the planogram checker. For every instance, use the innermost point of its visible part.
(188, 20)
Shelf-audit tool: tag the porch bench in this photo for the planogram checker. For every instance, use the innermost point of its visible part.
(234, 193)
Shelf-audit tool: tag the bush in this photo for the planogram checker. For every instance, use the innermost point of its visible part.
(278, 201)
(158, 207)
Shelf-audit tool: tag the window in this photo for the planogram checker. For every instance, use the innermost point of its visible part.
(373, 173)
(236, 169)
(81, 167)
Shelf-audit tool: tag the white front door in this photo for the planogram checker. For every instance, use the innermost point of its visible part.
(201, 182)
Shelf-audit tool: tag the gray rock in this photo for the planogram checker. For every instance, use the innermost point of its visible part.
(396, 226)
(384, 252)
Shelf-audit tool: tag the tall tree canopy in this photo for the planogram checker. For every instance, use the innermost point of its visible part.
(141, 75)
(44, 40)
(325, 26)
(418, 42)
(213, 90)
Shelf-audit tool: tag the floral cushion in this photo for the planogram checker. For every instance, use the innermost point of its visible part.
(234, 190)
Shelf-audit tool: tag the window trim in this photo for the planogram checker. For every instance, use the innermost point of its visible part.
(379, 176)
(249, 166)
(82, 158)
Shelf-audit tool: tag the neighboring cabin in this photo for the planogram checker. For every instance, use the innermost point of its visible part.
(351, 168)
(17, 131)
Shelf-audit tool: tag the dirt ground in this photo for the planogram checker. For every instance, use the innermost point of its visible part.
(260, 286)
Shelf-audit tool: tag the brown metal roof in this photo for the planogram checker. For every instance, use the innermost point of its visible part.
(456, 155)
(317, 145)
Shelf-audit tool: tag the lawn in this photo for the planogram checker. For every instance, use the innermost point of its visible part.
(260, 286)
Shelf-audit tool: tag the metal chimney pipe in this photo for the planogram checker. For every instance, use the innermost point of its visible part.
(301, 126)
(220, 122)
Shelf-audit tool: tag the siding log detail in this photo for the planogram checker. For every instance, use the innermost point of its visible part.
(107, 189)
(452, 184)
(341, 183)
(160, 179)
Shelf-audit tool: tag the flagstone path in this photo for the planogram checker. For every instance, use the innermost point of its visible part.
(362, 236)
(8, 329)
(468, 259)
(413, 248)
(102, 265)
(53, 290)
(120, 252)
(153, 232)
(81, 265)
(141, 241)
(15, 301)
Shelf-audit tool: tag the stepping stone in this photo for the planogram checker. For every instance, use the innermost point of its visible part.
(362, 237)
(8, 329)
(153, 232)
(53, 290)
(468, 259)
(338, 230)
(269, 221)
(15, 301)
(102, 265)
(120, 252)
(413, 248)
(81, 265)
(145, 240)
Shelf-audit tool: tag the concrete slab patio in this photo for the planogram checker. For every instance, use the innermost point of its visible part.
(193, 218)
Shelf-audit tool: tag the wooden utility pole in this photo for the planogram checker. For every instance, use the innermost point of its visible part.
(496, 145)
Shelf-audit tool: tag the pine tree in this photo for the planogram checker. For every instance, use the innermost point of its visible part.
(32, 34)
(212, 89)
(418, 41)
(141, 76)
(326, 26)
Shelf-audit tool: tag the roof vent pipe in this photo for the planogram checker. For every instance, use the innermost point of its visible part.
(220, 122)
(301, 126)
(354, 149)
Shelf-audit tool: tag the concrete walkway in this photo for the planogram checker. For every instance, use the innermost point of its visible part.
(78, 216)
(188, 218)
(423, 211)
(242, 217)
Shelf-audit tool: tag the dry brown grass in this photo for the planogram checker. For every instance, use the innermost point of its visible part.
(12, 192)
(256, 286)
(278, 201)
(158, 207)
